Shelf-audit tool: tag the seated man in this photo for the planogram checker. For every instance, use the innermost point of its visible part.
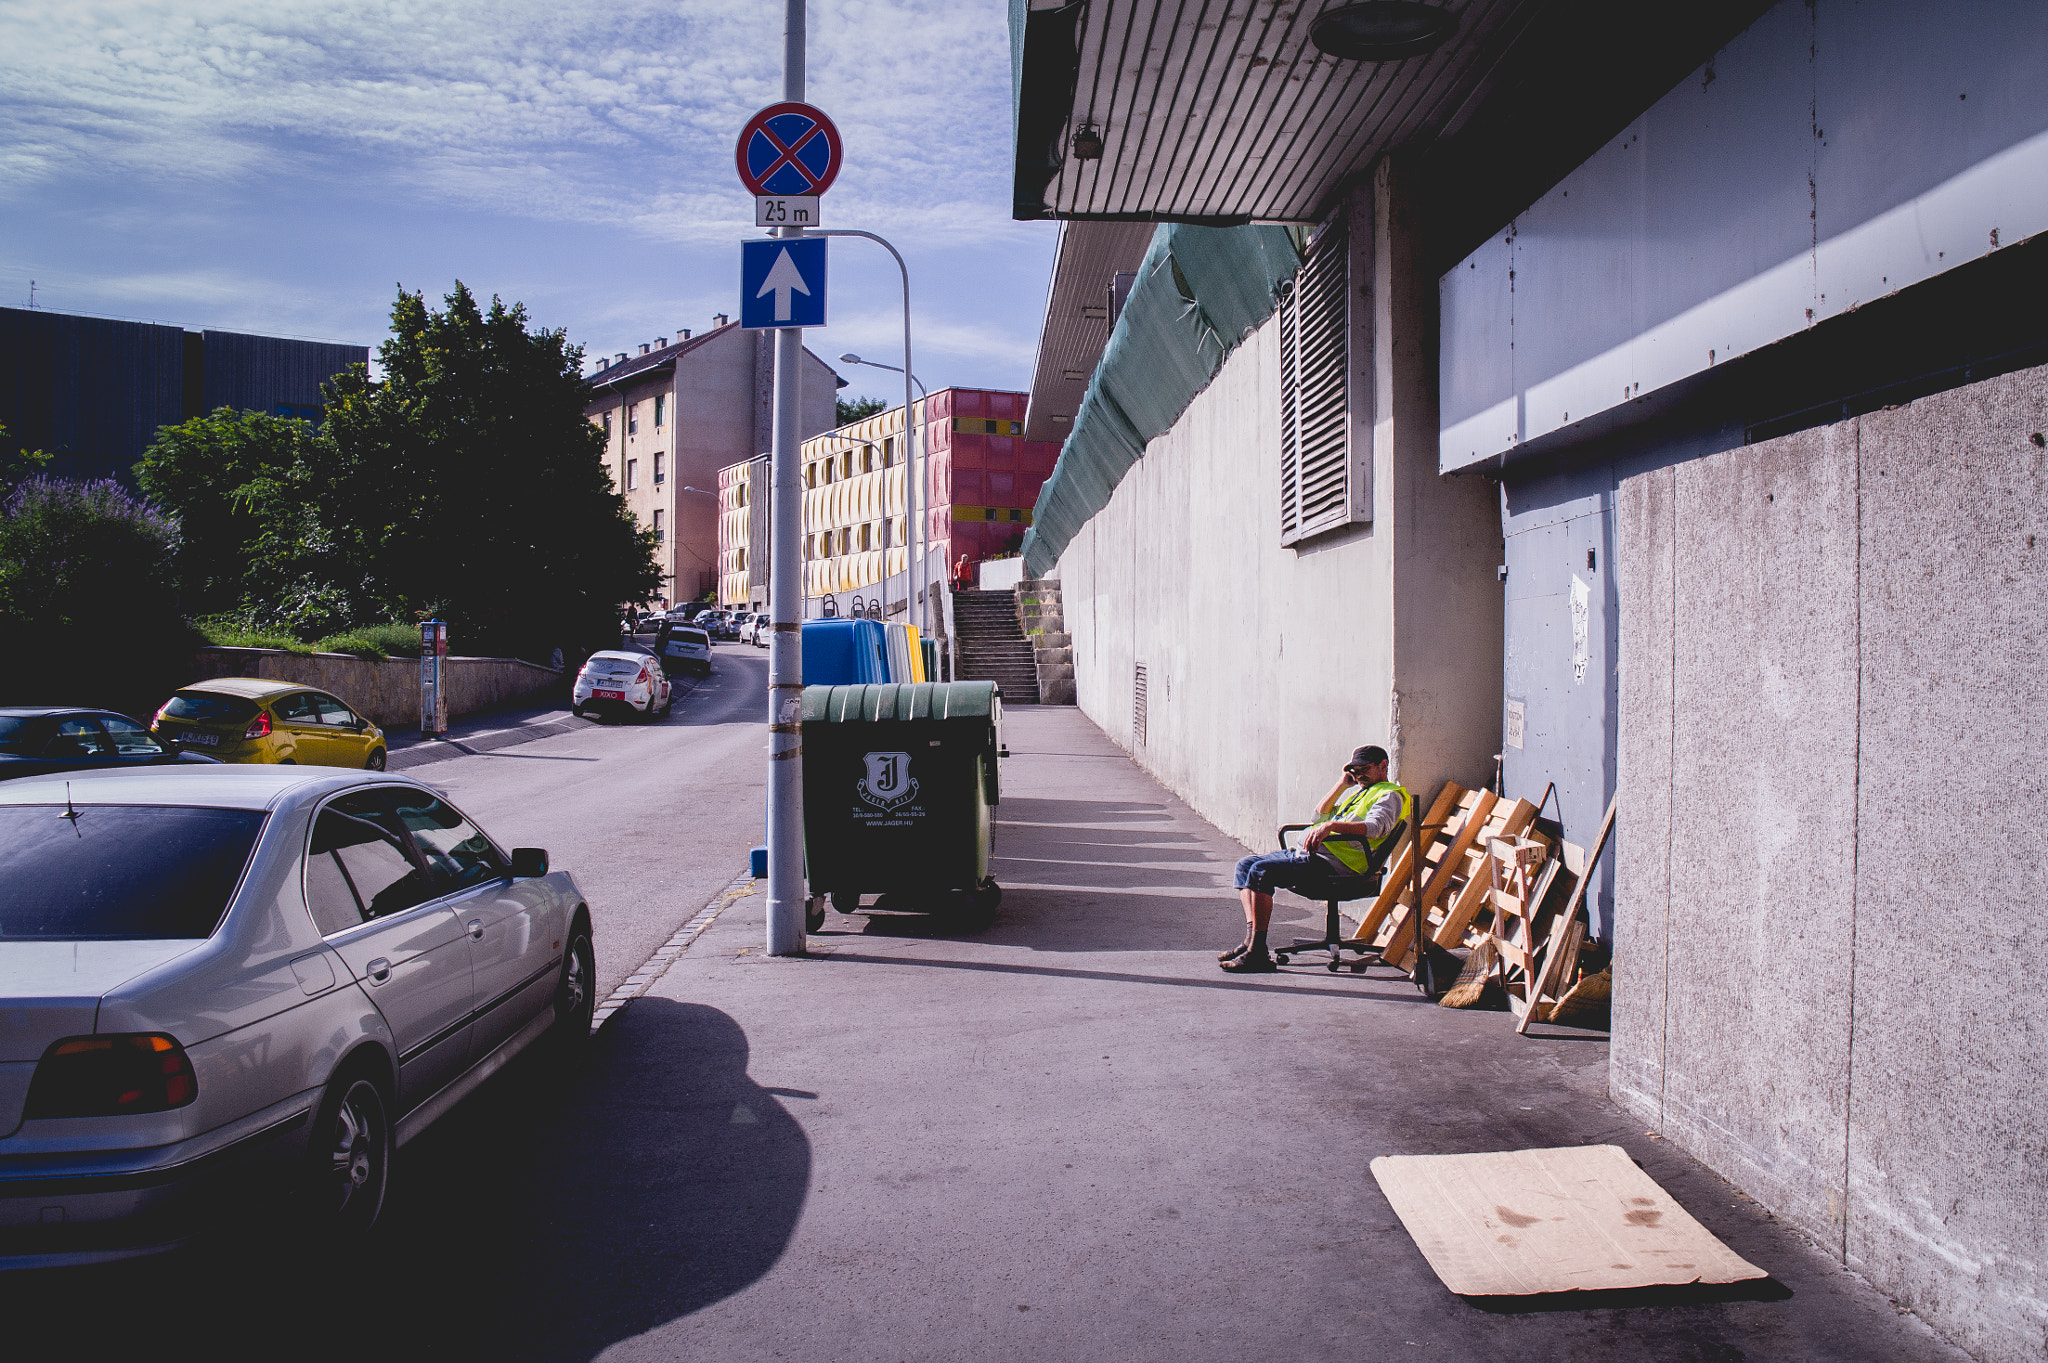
(1363, 803)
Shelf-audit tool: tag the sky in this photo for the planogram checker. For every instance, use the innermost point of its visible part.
(282, 166)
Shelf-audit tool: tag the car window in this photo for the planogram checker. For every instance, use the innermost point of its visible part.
(334, 712)
(297, 708)
(456, 849)
(20, 734)
(201, 708)
(129, 738)
(358, 867)
(119, 871)
(78, 736)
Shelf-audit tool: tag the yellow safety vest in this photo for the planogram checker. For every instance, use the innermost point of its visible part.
(1353, 809)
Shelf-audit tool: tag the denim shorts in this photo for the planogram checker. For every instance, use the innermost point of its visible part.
(1278, 870)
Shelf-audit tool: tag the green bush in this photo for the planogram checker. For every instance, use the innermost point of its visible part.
(85, 566)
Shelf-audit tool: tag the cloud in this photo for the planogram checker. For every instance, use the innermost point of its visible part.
(621, 113)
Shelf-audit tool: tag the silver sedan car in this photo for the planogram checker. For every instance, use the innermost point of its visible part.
(230, 985)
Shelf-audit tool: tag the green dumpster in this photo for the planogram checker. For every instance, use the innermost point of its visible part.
(899, 780)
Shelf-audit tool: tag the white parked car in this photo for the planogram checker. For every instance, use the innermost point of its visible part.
(750, 626)
(615, 682)
(688, 649)
(233, 981)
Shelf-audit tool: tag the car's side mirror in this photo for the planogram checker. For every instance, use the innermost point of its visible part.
(529, 863)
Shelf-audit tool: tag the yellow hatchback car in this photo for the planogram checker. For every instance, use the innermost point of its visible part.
(255, 719)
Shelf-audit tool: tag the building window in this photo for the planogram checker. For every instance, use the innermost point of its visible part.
(1322, 478)
(863, 537)
(607, 426)
(658, 531)
(633, 419)
(888, 452)
(658, 475)
(632, 474)
(740, 495)
(660, 410)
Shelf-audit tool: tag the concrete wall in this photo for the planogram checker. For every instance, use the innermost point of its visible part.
(1266, 664)
(1833, 154)
(387, 690)
(1832, 712)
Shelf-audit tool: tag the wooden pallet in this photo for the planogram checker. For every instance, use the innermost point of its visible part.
(1440, 830)
(1463, 880)
(1553, 981)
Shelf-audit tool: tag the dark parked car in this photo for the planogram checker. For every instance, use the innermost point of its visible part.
(35, 739)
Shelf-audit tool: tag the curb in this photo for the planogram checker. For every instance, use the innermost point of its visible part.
(655, 966)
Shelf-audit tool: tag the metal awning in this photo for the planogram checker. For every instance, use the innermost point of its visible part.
(1223, 111)
(1077, 319)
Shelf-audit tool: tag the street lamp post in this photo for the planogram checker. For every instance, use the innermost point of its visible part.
(912, 473)
(914, 490)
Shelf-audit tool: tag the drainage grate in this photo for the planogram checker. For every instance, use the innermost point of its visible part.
(1138, 706)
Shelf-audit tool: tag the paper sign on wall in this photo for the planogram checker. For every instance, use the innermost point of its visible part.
(1517, 714)
(1582, 609)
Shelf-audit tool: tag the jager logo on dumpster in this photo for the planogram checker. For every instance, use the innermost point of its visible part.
(888, 783)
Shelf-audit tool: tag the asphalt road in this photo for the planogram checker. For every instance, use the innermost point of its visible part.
(652, 819)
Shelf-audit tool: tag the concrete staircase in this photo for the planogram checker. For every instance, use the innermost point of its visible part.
(991, 645)
(1043, 615)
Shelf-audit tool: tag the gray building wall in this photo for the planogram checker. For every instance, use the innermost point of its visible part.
(94, 391)
(266, 373)
(1832, 657)
(1266, 663)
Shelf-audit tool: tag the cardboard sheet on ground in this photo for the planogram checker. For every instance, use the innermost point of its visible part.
(1575, 1219)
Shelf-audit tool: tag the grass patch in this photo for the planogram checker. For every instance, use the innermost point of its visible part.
(374, 641)
(225, 631)
(365, 641)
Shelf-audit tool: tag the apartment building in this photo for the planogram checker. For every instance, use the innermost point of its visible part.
(674, 415)
(984, 477)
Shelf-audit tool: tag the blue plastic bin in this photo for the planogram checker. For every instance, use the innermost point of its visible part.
(845, 653)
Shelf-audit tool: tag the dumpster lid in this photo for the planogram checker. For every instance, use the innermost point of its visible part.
(899, 700)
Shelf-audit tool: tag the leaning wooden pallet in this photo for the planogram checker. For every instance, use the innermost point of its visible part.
(1463, 895)
(1516, 886)
(1439, 830)
(1554, 983)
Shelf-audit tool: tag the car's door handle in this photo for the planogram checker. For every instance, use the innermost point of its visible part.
(476, 929)
(378, 970)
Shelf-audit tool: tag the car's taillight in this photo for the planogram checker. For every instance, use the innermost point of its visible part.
(258, 726)
(106, 1076)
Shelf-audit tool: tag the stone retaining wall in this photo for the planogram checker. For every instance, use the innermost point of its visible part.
(387, 690)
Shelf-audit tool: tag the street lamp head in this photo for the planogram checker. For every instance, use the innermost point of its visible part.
(851, 359)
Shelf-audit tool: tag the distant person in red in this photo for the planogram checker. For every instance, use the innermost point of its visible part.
(963, 575)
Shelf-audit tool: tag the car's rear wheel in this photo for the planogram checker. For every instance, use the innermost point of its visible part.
(348, 1160)
(375, 761)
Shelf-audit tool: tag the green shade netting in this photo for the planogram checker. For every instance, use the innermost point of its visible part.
(1199, 292)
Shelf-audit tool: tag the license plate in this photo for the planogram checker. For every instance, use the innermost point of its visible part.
(203, 740)
(607, 695)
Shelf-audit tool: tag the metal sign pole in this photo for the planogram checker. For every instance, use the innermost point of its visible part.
(785, 596)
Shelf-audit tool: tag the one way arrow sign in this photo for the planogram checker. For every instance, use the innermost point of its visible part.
(782, 283)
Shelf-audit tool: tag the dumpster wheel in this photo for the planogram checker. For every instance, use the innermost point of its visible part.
(814, 913)
(988, 895)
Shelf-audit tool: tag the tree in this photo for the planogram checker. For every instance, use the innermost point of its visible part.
(84, 567)
(853, 409)
(218, 475)
(467, 480)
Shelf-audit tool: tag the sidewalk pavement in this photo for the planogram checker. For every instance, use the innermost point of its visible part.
(1069, 1136)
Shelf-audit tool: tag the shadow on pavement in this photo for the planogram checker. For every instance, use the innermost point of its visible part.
(547, 1217)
